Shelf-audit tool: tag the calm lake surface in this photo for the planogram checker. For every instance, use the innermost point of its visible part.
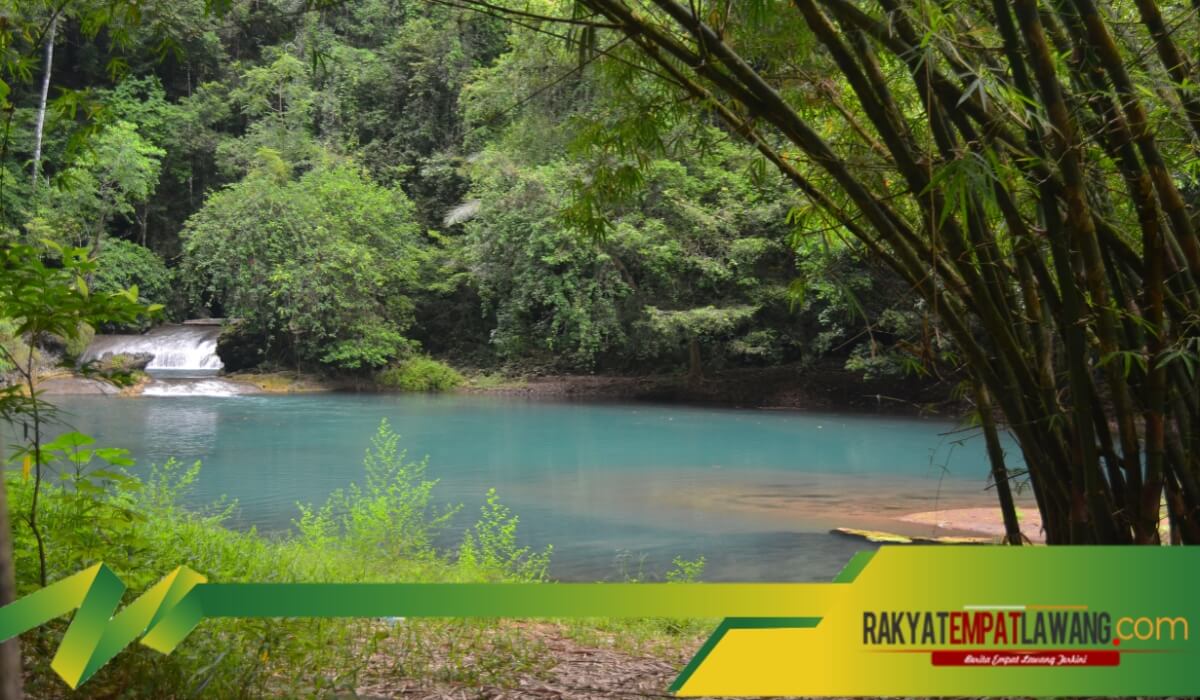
(618, 489)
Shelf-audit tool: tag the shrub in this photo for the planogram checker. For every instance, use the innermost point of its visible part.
(421, 374)
(77, 345)
(381, 531)
(391, 514)
(14, 346)
(322, 267)
(490, 549)
(124, 264)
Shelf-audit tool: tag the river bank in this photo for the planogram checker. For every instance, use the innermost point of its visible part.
(821, 387)
(195, 350)
(825, 387)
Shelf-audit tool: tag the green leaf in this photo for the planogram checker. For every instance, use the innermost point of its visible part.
(114, 455)
(68, 441)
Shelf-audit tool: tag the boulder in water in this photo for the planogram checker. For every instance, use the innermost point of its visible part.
(123, 369)
(122, 362)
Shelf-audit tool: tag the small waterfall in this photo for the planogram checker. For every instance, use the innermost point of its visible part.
(185, 350)
(185, 359)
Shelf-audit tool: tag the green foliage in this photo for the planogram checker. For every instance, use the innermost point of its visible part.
(14, 346)
(391, 515)
(75, 346)
(382, 531)
(686, 570)
(82, 517)
(323, 266)
(911, 353)
(605, 196)
(551, 292)
(700, 322)
(124, 264)
(423, 374)
(45, 292)
(119, 170)
(491, 546)
(279, 100)
(120, 369)
(393, 76)
(546, 203)
(690, 257)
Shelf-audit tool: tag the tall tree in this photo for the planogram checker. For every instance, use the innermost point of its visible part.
(40, 121)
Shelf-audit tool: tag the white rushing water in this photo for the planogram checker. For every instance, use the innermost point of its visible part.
(178, 350)
(185, 360)
(197, 387)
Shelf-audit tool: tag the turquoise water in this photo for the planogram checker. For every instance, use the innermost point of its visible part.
(619, 489)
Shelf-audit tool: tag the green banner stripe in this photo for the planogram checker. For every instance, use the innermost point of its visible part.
(854, 567)
(738, 623)
(847, 575)
(508, 600)
(167, 612)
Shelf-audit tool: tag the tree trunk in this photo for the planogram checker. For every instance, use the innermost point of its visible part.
(40, 123)
(10, 651)
(144, 221)
(695, 369)
(1008, 508)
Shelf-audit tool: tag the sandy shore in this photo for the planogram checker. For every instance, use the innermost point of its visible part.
(985, 521)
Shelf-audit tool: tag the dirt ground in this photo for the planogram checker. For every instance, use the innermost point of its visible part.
(577, 671)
